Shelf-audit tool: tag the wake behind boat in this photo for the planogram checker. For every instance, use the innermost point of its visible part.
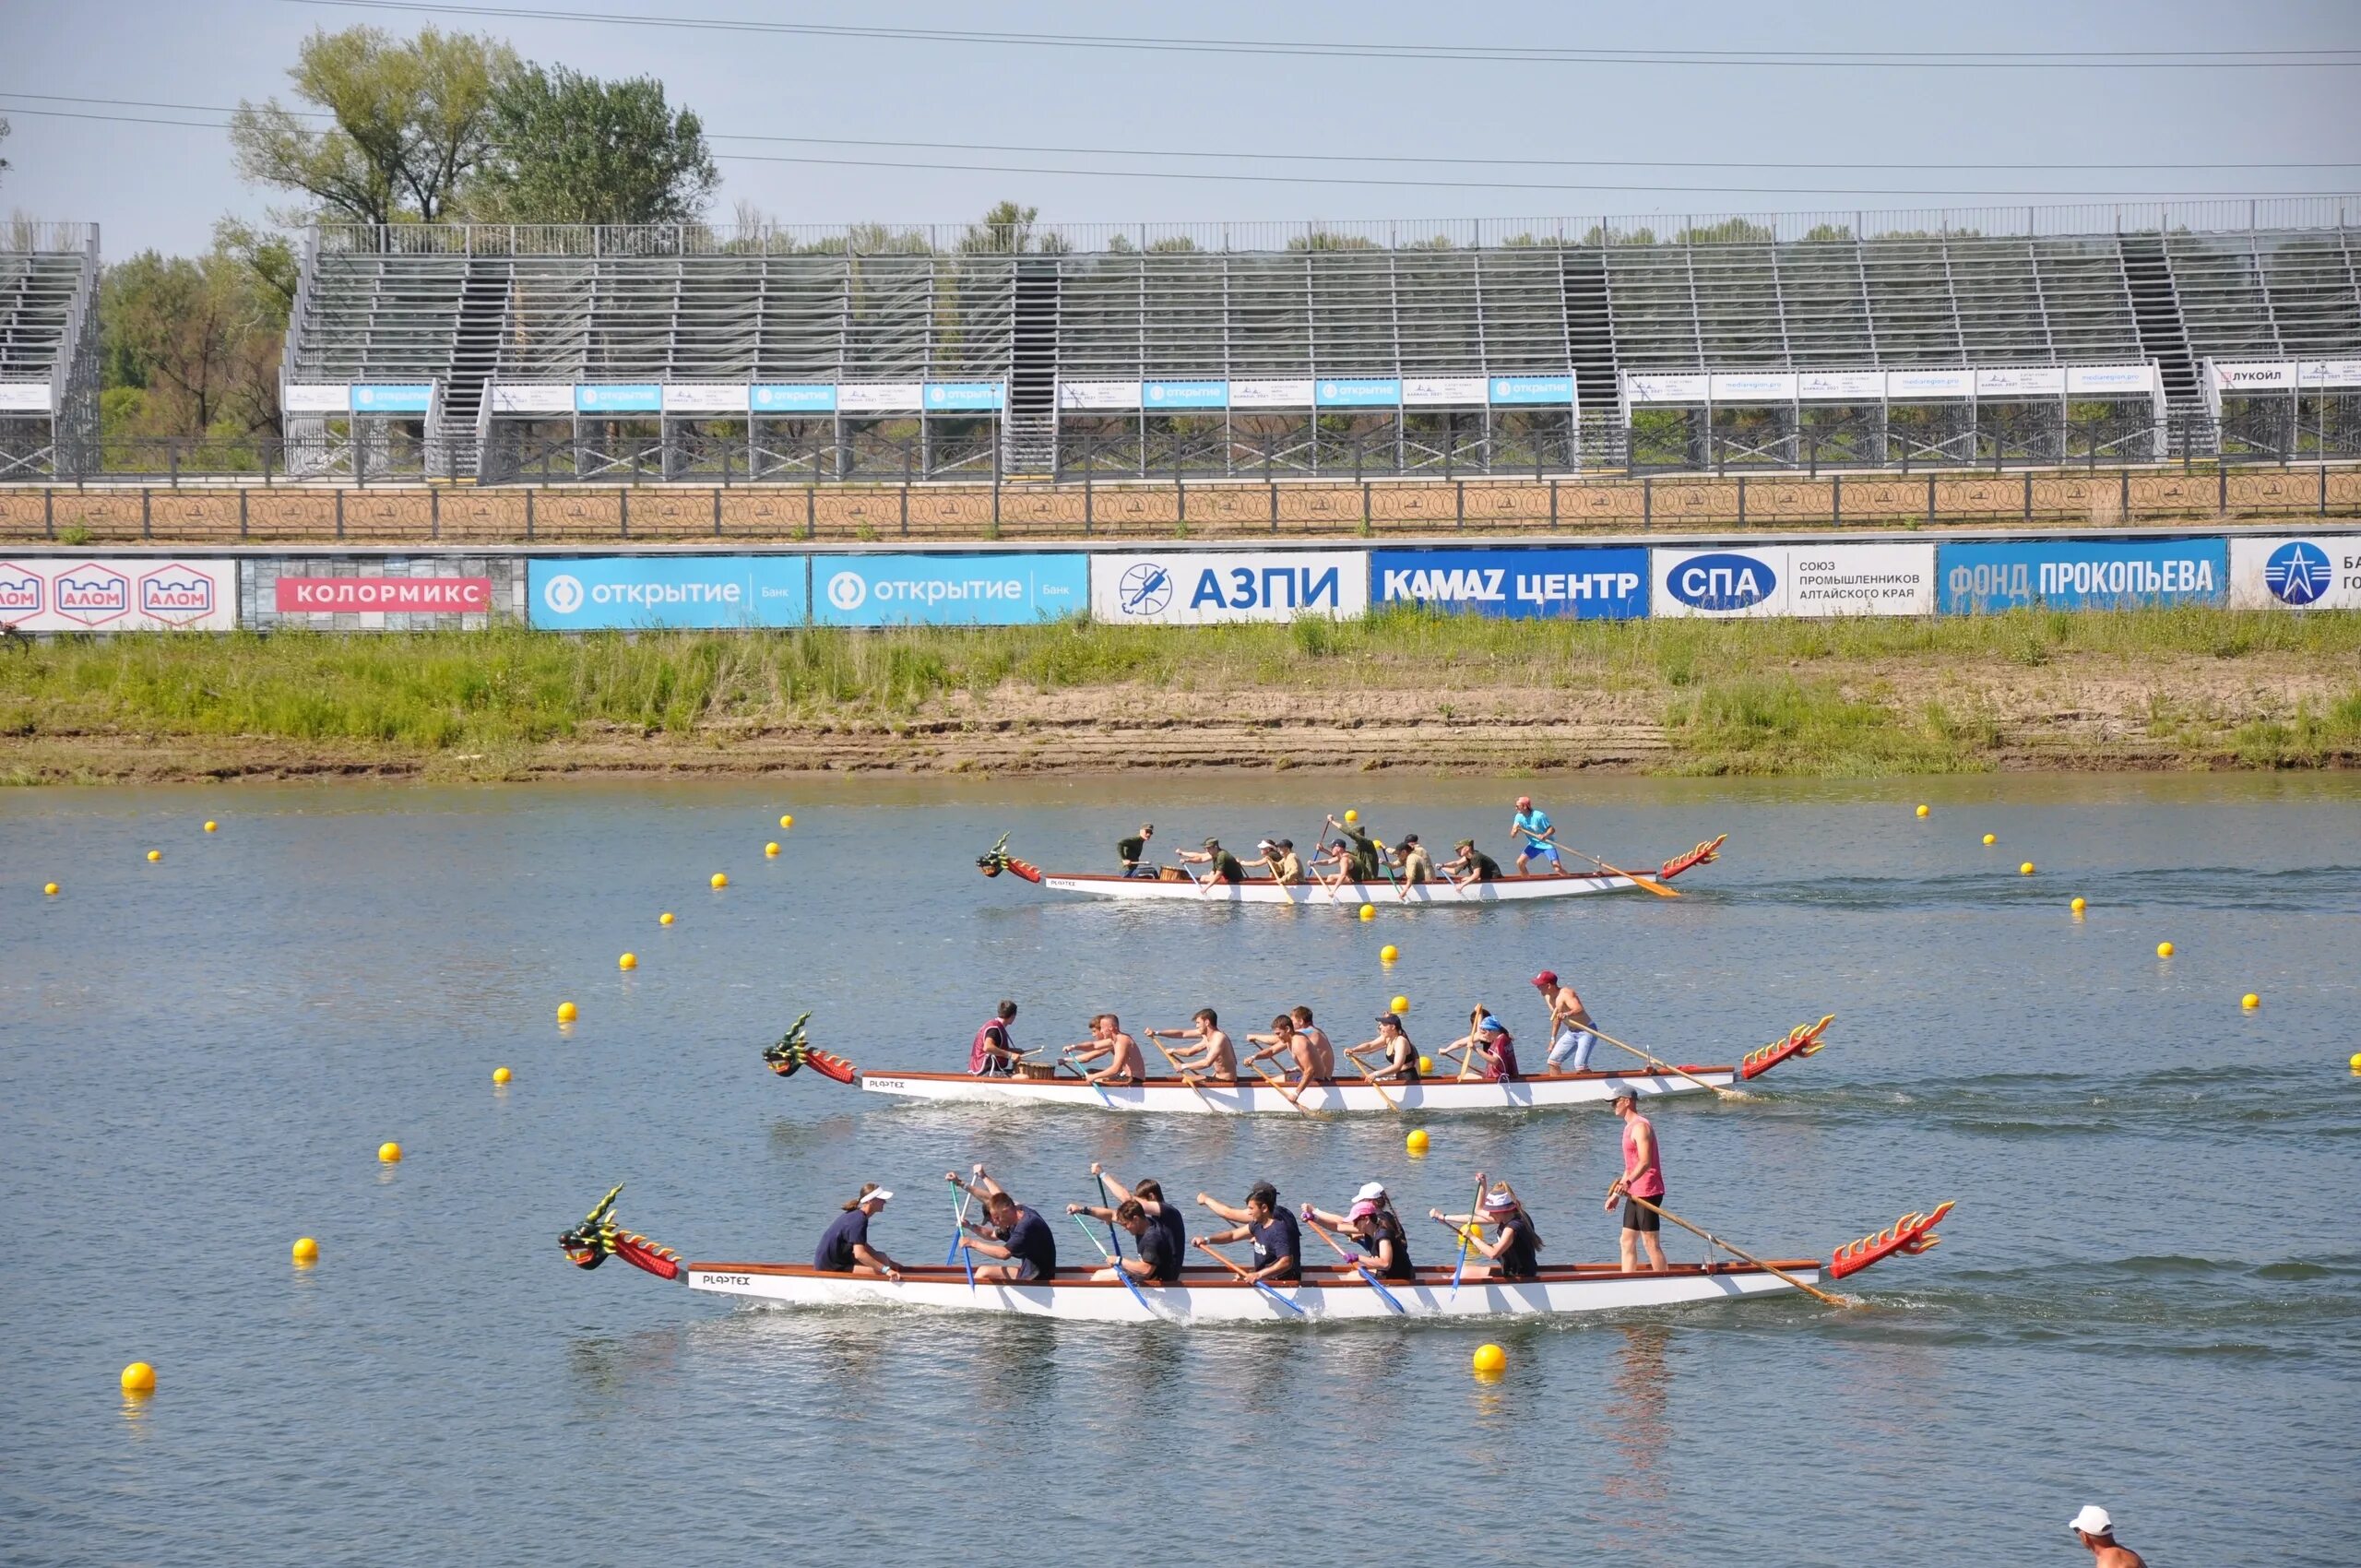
(1039, 1084)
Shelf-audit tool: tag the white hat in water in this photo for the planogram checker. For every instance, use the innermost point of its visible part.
(2092, 1521)
(1371, 1191)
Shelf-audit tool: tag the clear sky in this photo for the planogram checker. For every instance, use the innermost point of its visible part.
(163, 186)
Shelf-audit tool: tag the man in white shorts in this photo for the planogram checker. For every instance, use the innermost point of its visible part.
(1572, 1036)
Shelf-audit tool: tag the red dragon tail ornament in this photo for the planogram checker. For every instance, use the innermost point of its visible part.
(598, 1237)
(1912, 1234)
(997, 859)
(1703, 854)
(1802, 1040)
(793, 1051)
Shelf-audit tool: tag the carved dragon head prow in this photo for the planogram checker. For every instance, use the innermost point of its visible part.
(794, 1050)
(997, 859)
(1802, 1040)
(1703, 854)
(598, 1237)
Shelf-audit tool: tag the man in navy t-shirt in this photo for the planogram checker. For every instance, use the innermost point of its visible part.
(1013, 1232)
(1278, 1241)
(1155, 1226)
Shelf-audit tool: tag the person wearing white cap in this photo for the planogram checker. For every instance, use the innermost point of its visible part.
(1371, 1222)
(845, 1248)
(1512, 1249)
(2095, 1529)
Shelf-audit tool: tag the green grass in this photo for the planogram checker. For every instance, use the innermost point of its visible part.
(1739, 695)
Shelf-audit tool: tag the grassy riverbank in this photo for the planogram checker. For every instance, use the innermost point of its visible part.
(2165, 688)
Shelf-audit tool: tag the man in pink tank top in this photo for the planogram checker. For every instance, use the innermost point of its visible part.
(1642, 1178)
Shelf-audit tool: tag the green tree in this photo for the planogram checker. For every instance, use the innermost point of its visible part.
(575, 149)
(197, 340)
(413, 123)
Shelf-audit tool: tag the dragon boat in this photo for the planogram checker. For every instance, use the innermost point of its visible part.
(1213, 1295)
(1348, 894)
(1044, 1084)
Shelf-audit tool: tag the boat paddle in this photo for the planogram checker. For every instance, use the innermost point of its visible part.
(1279, 1086)
(1115, 1241)
(1366, 1273)
(1635, 878)
(1474, 1224)
(1179, 1072)
(1362, 1067)
(1065, 1059)
(1115, 1261)
(959, 1221)
(1812, 1290)
(1247, 1274)
(1665, 1067)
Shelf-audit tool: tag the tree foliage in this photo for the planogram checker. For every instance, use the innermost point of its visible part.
(571, 148)
(189, 347)
(413, 123)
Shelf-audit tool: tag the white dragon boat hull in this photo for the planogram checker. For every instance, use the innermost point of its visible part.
(1259, 1098)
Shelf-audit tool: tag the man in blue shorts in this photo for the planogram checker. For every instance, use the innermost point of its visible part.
(1536, 837)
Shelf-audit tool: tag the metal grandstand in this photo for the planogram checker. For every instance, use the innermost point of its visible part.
(49, 349)
(2027, 335)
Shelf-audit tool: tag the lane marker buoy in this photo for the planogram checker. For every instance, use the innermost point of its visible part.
(389, 1152)
(139, 1378)
(1417, 1142)
(720, 879)
(306, 1252)
(567, 1012)
(501, 1076)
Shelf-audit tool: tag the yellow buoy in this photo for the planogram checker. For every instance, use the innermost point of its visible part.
(1990, 838)
(628, 961)
(139, 1378)
(1368, 911)
(390, 1153)
(306, 1252)
(720, 879)
(2025, 870)
(1417, 1142)
(1490, 1360)
(1388, 954)
(771, 849)
(2249, 1000)
(2163, 949)
(1426, 1067)
(2353, 1061)
(155, 854)
(213, 826)
(788, 820)
(1922, 811)
(1351, 815)
(664, 918)
(501, 1074)
(50, 888)
(2076, 906)
(1400, 1004)
(567, 1012)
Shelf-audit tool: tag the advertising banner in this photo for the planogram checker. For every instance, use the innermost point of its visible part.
(2078, 573)
(2030, 381)
(295, 398)
(2110, 380)
(1365, 393)
(1097, 396)
(2319, 573)
(2277, 376)
(1270, 394)
(881, 398)
(1801, 580)
(705, 398)
(644, 398)
(1752, 386)
(118, 594)
(1841, 385)
(1442, 391)
(1902, 384)
(413, 399)
(2328, 372)
(381, 593)
(594, 592)
(1159, 397)
(1653, 387)
(1603, 584)
(792, 397)
(1192, 588)
(954, 396)
(1008, 589)
(32, 397)
(1520, 389)
(532, 398)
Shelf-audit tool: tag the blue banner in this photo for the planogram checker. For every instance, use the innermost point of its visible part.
(2080, 574)
(794, 398)
(1362, 394)
(1159, 394)
(947, 396)
(595, 592)
(1602, 584)
(401, 399)
(948, 590)
(645, 398)
(1553, 389)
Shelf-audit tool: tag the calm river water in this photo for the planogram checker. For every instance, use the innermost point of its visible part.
(2149, 1296)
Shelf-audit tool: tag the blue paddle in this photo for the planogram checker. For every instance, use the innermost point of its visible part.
(958, 1226)
(1116, 1259)
(1366, 1272)
(1115, 1242)
(1262, 1286)
(959, 1230)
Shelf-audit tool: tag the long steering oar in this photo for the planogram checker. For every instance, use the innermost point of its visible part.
(1666, 1067)
(1474, 1224)
(1635, 878)
(1366, 1272)
(960, 1219)
(1247, 1274)
(1115, 1261)
(1812, 1290)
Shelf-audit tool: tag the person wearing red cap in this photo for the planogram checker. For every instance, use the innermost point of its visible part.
(1572, 1036)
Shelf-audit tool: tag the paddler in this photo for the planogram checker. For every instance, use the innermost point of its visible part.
(1323, 1050)
(1217, 1053)
(1572, 1036)
(1514, 1248)
(1108, 1040)
(1287, 866)
(1371, 1222)
(1642, 1178)
(1284, 1040)
(1361, 851)
(993, 1054)
(1535, 835)
(844, 1246)
(1401, 1057)
(1013, 1232)
(1471, 864)
(1278, 1239)
(1411, 858)
(2095, 1529)
(1225, 867)
(1156, 1227)
(1132, 851)
(1487, 1047)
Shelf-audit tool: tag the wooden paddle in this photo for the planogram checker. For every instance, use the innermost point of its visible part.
(1181, 1073)
(1658, 888)
(1278, 1086)
(1360, 1067)
(1247, 1274)
(1811, 1290)
(1366, 1272)
(1474, 1210)
(1667, 1067)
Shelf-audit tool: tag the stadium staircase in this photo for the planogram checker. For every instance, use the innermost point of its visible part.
(475, 354)
(1030, 428)
(2164, 338)
(1590, 340)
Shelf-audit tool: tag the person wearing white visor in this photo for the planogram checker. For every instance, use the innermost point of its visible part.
(845, 1248)
(1371, 1222)
(2095, 1529)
